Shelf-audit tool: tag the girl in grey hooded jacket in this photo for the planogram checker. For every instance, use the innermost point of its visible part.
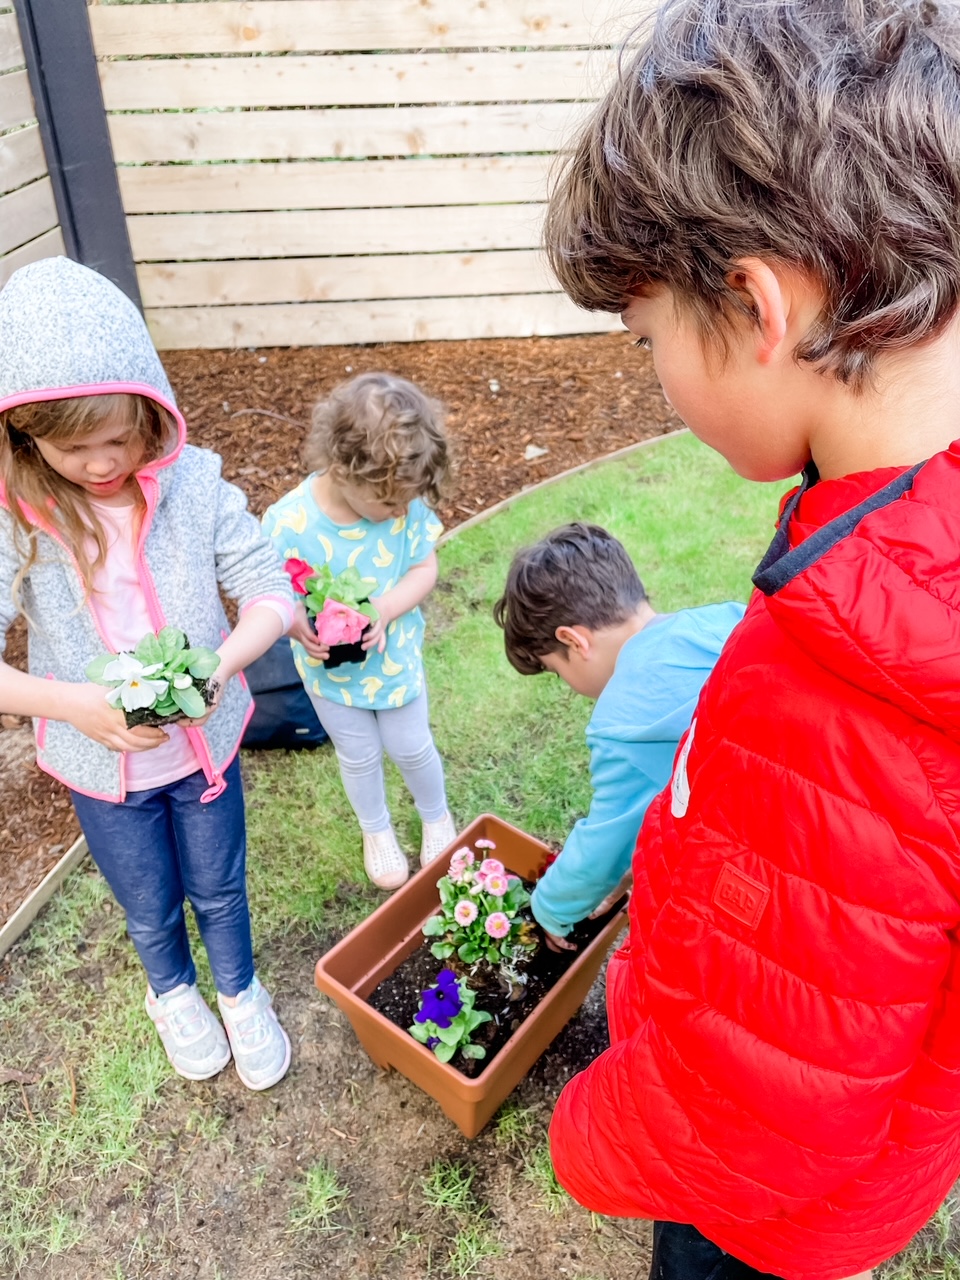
(111, 525)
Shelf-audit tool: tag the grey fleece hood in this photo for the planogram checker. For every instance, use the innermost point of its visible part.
(66, 330)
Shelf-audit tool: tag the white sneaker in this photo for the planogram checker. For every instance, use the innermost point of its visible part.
(261, 1048)
(383, 859)
(191, 1035)
(437, 837)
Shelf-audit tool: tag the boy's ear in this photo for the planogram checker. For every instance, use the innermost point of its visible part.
(760, 287)
(576, 640)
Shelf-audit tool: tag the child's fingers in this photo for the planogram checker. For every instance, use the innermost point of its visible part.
(557, 943)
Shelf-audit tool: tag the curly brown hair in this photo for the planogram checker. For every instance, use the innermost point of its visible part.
(821, 133)
(578, 575)
(383, 433)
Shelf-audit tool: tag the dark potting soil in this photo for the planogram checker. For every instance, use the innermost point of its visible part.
(397, 997)
(147, 716)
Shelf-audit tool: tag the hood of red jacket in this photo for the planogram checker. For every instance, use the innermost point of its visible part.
(881, 608)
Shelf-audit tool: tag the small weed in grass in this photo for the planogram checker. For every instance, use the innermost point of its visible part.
(448, 1187)
(318, 1199)
(538, 1170)
(934, 1253)
(516, 1125)
(470, 1248)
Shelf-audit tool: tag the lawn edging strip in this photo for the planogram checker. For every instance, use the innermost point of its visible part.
(36, 900)
(529, 489)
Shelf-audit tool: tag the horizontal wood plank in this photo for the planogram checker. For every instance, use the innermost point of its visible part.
(11, 51)
(356, 79)
(325, 232)
(311, 26)
(16, 100)
(331, 184)
(335, 323)
(21, 158)
(405, 275)
(49, 245)
(26, 214)
(338, 134)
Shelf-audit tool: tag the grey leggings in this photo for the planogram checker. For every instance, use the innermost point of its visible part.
(360, 738)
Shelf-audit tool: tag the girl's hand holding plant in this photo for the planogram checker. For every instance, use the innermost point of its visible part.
(302, 631)
(338, 607)
(163, 678)
(86, 708)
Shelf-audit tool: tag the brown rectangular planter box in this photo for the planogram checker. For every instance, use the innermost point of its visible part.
(380, 944)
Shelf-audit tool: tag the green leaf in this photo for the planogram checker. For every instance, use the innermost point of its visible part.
(149, 650)
(166, 707)
(442, 950)
(493, 955)
(434, 927)
(202, 663)
(171, 641)
(450, 1035)
(477, 1018)
(94, 669)
(473, 1051)
(420, 1031)
(444, 1052)
(190, 702)
(368, 611)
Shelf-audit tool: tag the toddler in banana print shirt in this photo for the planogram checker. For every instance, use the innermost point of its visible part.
(379, 458)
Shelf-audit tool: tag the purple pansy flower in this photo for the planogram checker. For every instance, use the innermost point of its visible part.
(440, 1004)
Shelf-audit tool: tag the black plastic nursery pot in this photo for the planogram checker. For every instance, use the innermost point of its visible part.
(351, 970)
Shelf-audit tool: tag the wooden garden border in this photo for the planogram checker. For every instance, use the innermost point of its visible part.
(37, 899)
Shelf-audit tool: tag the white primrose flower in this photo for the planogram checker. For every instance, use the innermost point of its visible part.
(136, 689)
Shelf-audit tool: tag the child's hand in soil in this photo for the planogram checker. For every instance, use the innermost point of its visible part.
(557, 943)
(625, 885)
(87, 709)
(302, 631)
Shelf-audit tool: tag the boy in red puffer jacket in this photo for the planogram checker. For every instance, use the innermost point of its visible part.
(769, 196)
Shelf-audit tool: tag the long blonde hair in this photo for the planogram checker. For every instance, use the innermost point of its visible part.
(29, 482)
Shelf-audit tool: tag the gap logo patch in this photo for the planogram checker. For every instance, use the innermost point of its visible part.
(740, 896)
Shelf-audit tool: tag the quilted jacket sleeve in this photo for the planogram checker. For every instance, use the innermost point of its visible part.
(248, 566)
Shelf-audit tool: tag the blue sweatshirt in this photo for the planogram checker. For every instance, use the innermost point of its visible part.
(633, 733)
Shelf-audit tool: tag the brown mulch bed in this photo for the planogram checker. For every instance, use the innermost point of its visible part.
(574, 398)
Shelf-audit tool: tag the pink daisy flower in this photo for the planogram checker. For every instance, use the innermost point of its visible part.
(465, 912)
(459, 862)
(484, 844)
(492, 867)
(496, 884)
(497, 924)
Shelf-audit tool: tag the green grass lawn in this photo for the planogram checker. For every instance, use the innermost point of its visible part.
(100, 1107)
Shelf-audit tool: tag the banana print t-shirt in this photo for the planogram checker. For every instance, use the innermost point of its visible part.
(384, 551)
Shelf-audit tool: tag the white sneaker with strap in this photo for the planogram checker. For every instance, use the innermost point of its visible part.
(383, 859)
(191, 1035)
(437, 836)
(261, 1048)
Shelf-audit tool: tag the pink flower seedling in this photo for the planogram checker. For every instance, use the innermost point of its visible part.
(492, 867)
(497, 924)
(339, 624)
(465, 912)
(485, 844)
(299, 572)
(460, 860)
(496, 884)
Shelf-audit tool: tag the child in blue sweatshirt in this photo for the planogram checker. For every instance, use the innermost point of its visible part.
(573, 605)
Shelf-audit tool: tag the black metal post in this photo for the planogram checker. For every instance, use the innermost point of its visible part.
(73, 125)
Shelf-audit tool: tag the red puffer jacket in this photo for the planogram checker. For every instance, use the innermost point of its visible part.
(785, 1017)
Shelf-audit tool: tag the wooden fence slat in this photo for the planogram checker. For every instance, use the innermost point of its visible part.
(21, 158)
(354, 131)
(325, 232)
(332, 184)
(16, 101)
(26, 214)
(49, 245)
(413, 275)
(11, 51)
(311, 26)
(361, 80)
(326, 323)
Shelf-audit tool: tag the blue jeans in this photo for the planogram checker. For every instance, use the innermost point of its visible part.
(680, 1252)
(161, 846)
